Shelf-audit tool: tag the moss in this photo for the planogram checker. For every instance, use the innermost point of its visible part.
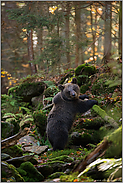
(56, 162)
(10, 170)
(32, 172)
(116, 148)
(64, 158)
(73, 178)
(82, 73)
(84, 88)
(25, 91)
(55, 175)
(22, 172)
(104, 115)
(40, 120)
(13, 151)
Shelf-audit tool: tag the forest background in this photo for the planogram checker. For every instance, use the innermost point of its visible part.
(50, 37)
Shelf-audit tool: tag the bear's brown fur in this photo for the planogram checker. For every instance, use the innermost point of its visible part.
(67, 104)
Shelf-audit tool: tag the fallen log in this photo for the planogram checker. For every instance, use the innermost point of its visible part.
(92, 156)
(105, 116)
(14, 139)
(101, 149)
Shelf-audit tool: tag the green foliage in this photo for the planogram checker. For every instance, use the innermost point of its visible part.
(53, 50)
(74, 178)
(99, 86)
(9, 104)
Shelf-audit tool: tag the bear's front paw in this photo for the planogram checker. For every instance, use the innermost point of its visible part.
(96, 102)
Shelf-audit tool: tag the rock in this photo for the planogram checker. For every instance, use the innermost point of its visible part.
(36, 149)
(9, 171)
(45, 170)
(82, 73)
(13, 151)
(5, 156)
(7, 129)
(27, 90)
(32, 173)
(37, 101)
(40, 119)
(18, 160)
(104, 169)
(28, 140)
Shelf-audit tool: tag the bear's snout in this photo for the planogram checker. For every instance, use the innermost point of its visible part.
(73, 94)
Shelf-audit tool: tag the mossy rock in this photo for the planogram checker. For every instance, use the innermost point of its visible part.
(13, 151)
(56, 165)
(45, 169)
(90, 123)
(9, 170)
(7, 129)
(83, 137)
(82, 73)
(64, 158)
(32, 173)
(115, 149)
(40, 120)
(102, 169)
(26, 91)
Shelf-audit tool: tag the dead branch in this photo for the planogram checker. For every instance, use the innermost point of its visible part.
(14, 139)
(48, 106)
(92, 156)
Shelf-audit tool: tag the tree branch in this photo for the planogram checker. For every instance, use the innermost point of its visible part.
(13, 139)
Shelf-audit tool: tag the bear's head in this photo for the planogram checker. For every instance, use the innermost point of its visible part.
(70, 91)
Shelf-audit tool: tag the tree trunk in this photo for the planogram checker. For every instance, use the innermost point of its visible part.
(120, 29)
(77, 32)
(107, 38)
(30, 53)
(67, 34)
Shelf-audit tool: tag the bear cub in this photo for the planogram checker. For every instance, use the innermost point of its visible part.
(66, 104)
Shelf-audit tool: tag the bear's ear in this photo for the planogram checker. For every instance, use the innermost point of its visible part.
(61, 87)
(74, 81)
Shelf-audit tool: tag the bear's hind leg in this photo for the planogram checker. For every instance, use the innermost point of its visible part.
(59, 143)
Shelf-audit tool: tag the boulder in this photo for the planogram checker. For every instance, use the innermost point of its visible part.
(27, 90)
(7, 129)
(8, 172)
(32, 174)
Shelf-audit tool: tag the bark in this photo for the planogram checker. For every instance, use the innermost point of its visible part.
(107, 38)
(67, 33)
(13, 139)
(120, 29)
(105, 116)
(114, 139)
(92, 156)
(30, 52)
(77, 32)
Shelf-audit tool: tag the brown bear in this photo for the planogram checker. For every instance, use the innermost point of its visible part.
(66, 104)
